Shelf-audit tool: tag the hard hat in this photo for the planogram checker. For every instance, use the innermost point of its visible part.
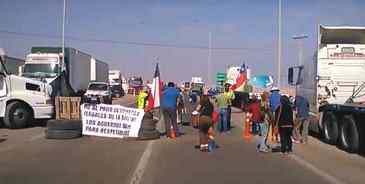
(275, 89)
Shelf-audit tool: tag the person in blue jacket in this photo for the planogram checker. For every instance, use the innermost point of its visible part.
(169, 106)
(274, 99)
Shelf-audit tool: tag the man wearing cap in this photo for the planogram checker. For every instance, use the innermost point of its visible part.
(229, 96)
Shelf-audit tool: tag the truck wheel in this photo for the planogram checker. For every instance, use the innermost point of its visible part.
(350, 138)
(330, 128)
(17, 115)
(117, 95)
(54, 124)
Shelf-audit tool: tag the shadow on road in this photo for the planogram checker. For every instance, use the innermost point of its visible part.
(35, 123)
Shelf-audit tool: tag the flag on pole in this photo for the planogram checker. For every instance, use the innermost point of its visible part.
(154, 96)
(241, 79)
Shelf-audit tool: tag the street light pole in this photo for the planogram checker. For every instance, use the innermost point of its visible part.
(279, 46)
(209, 59)
(63, 31)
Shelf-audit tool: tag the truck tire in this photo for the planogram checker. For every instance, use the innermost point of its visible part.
(330, 128)
(117, 95)
(349, 135)
(62, 134)
(64, 125)
(17, 115)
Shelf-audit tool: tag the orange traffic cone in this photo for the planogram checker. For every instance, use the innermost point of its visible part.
(246, 132)
(172, 132)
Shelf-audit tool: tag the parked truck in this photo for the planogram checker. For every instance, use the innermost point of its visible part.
(22, 99)
(334, 82)
(68, 78)
(115, 82)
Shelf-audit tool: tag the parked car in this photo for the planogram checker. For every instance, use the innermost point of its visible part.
(117, 90)
(98, 92)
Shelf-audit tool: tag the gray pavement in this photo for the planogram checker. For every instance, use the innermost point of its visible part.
(27, 157)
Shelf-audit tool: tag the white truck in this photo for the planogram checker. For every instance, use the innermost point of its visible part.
(334, 82)
(117, 83)
(70, 78)
(22, 99)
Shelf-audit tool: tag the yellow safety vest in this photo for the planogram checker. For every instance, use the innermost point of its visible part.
(141, 100)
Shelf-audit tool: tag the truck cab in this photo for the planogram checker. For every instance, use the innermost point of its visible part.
(23, 99)
(42, 65)
(334, 84)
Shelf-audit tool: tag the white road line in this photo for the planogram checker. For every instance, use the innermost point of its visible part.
(319, 172)
(142, 164)
(36, 137)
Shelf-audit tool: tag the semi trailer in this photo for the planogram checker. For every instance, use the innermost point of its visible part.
(334, 82)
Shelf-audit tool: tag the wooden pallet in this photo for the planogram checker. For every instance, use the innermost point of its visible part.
(68, 108)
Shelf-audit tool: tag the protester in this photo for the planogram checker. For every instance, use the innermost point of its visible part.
(254, 109)
(284, 121)
(141, 99)
(266, 117)
(274, 99)
(168, 107)
(302, 108)
(205, 109)
(229, 95)
(274, 104)
(222, 105)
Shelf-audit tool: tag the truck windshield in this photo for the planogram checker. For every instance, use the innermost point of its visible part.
(38, 70)
(98, 87)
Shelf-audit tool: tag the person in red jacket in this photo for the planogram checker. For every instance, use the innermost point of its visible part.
(254, 109)
(258, 124)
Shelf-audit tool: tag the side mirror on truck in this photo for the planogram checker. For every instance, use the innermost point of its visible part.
(295, 75)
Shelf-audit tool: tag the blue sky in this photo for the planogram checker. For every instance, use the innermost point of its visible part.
(245, 24)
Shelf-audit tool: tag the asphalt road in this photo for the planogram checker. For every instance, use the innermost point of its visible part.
(27, 157)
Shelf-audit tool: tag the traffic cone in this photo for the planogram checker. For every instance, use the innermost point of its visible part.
(246, 133)
(172, 132)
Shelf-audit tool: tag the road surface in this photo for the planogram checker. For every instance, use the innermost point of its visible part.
(27, 157)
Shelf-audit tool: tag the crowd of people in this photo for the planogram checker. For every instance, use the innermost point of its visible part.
(275, 118)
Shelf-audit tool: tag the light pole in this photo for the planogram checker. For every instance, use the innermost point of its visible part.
(63, 31)
(279, 45)
(209, 60)
(300, 39)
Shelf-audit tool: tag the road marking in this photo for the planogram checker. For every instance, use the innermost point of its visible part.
(142, 164)
(36, 137)
(319, 172)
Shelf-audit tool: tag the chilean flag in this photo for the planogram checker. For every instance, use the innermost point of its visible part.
(240, 80)
(155, 93)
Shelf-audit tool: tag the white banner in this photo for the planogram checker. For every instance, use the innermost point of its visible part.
(110, 120)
